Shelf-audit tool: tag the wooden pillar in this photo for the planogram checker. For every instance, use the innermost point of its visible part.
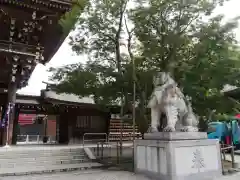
(57, 128)
(63, 128)
(108, 119)
(1, 129)
(12, 90)
(15, 126)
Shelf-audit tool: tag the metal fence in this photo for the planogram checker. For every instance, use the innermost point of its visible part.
(227, 157)
(99, 137)
(112, 153)
(35, 139)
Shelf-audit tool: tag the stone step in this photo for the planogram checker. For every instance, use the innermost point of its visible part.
(19, 164)
(42, 158)
(16, 159)
(42, 150)
(38, 154)
(47, 169)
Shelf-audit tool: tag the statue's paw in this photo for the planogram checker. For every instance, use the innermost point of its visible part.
(194, 129)
(169, 129)
(184, 129)
(152, 130)
(189, 129)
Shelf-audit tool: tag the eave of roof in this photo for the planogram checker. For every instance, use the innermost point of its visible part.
(235, 93)
(40, 100)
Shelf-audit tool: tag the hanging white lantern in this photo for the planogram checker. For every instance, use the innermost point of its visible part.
(29, 67)
(11, 33)
(13, 21)
(34, 15)
(13, 78)
(29, 60)
(15, 58)
(42, 58)
(14, 71)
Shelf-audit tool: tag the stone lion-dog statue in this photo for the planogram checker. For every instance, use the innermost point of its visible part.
(167, 99)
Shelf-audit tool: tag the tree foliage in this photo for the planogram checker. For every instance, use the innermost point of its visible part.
(166, 35)
(201, 55)
(69, 19)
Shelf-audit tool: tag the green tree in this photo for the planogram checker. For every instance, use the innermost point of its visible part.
(100, 82)
(167, 35)
(108, 75)
(69, 19)
(201, 55)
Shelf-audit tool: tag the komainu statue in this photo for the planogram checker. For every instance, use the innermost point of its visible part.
(168, 100)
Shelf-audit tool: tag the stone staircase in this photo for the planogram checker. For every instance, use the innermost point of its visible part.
(127, 129)
(14, 161)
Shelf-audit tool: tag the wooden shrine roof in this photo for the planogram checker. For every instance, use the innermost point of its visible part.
(42, 104)
(52, 105)
(30, 34)
(234, 93)
(63, 98)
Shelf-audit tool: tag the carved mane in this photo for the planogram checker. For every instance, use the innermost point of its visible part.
(162, 78)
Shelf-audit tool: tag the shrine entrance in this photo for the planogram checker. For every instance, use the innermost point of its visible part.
(30, 34)
(72, 120)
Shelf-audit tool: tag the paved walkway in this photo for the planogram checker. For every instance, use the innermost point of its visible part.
(33, 147)
(83, 175)
(231, 177)
(95, 175)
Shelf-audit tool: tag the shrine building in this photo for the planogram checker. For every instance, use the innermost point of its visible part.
(30, 34)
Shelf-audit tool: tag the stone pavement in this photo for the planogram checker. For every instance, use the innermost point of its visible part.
(94, 175)
(82, 175)
(230, 177)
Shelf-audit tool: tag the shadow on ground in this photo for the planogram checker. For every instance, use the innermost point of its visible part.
(113, 159)
(122, 164)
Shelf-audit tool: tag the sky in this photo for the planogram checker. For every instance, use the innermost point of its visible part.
(65, 55)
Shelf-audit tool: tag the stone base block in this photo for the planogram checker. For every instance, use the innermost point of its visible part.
(173, 136)
(178, 159)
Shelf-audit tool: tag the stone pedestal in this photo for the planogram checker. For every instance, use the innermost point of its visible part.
(178, 156)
